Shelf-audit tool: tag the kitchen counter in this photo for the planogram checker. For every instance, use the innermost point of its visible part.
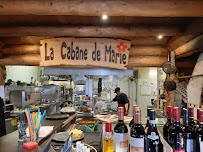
(9, 142)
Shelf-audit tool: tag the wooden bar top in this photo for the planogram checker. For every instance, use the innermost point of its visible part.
(9, 142)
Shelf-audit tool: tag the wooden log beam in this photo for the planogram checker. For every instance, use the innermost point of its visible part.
(138, 61)
(148, 51)
(192, 31)
(155, 8)
(185, 64)
(146, 61)
(195, 44)
(32, 60)
(148, 40)
(89, 31)
(23, 40)
(139, 40)
(12, 50)
(20, 49)
(179, 40)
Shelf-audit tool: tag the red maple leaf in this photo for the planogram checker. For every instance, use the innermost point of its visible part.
(121, 47)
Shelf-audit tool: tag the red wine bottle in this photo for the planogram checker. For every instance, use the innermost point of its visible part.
(175, 133)
(169, 122)
(132, 121)
(191, 117)
(137, 133)
(120, 133)
(188, 133)
(197, 125)
(152, 134)
(199, 133)
(148, 118)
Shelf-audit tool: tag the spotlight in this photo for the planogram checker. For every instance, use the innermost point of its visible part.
(160, 37)
(104, 17)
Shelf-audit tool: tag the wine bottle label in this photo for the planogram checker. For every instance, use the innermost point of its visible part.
(121, 142)
(201, 146)
(153, 136)
(136, 144)
(189, 145)
(178, 150)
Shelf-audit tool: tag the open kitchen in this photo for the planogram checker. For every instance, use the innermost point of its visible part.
(101, 76)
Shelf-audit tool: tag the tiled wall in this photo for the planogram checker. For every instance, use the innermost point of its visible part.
(22, 73)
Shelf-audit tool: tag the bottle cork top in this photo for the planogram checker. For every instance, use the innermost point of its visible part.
(176, 114)
(108, 126)
(191, 112)
(170, 112)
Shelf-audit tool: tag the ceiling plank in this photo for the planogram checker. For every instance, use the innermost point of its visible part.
(89, 31)
(155, 8)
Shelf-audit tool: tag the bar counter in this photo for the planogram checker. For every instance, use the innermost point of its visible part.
(9, 142)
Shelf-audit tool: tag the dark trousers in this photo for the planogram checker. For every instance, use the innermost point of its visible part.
(2, 120)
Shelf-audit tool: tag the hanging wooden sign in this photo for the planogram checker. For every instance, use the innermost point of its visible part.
(85, 52)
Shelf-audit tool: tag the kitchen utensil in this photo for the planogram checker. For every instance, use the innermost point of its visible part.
(63, 136)
(57, 116)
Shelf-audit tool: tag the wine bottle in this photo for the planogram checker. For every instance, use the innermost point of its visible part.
(148, 118)
(169, 122)
(108, 138)
(175, 133)
(132, 121)
(197, 125)
(188, 133)
(152, 134)
(137, 134)
(191, 117)
(120, 133)
(199, 133)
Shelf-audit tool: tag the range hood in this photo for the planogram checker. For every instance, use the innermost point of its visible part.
(87, 71)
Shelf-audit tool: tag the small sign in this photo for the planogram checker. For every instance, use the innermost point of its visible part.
(85, 52)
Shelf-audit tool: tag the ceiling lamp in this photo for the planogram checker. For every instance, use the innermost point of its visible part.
(104, 17)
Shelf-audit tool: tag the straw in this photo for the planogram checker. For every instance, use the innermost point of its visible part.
(38, 111)
(43, 116)
(28, 120)
(38, 126)
(33, 120)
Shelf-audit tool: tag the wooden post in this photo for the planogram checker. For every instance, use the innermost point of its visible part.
(2, 72)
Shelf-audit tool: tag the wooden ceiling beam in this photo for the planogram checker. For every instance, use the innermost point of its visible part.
(138, 61)
(155, 8)
(9, 49)
(139, 40)
(28, 59)
(148, 51)
(89, 31)
(146, 61)
(188, 48)
(19, 50)
(192, 31)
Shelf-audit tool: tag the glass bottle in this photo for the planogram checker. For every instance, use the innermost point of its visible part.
(108, 138)
(188, 132)
(132, 121)
(137, 134)
(169, 122)
(120, 133)
(175, 132)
